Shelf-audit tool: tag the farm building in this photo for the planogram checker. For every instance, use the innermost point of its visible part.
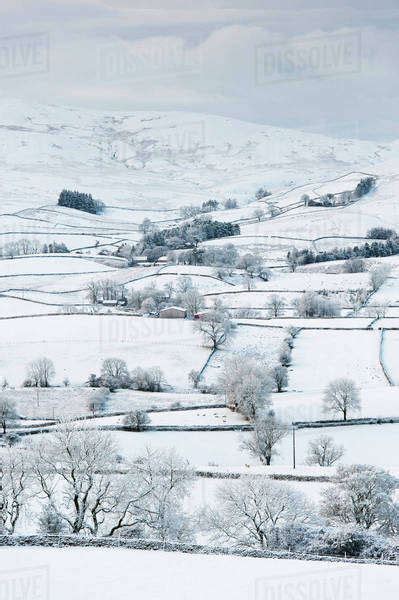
(172, 312)
(200, 315)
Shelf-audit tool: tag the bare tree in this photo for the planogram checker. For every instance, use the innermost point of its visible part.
(275, 305)
(194, 377)
(40, 372)
(146, 226)
(15, 487)
(250, 511)
(93, 292)
(259, 213)
(83, 461)
(378, 275)
(250, 263)
(354, 265)
(157, 485)
(114, 368)
(248, 281)
(8, 412)
(323, 452)
(97, 402)
(311, 304)
(293, 259)
(148, 380)
(136, 420)
(341, 396)
(376, 311)
(184, 284)
(362, 495)
(268, 432)
(215, 328)
(245, 384)
(357, 299)
(279, 376)
(50, 522)
(192, 301)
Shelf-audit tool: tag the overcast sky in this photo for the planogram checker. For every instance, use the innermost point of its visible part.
(329, 67)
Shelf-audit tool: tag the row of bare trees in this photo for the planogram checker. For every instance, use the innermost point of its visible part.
(74, 473)
(75, 477)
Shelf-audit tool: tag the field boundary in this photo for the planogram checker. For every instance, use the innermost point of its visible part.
(141, 544)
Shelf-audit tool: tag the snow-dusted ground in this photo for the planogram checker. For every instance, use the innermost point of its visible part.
(125, 400)
(55, 402)
(141, 167)
(259, 343)
(366, 444)
(304, 323)
(391, 354)
(59, 265)
(45, 145)
(308, 405)
(180, 576)
(15, 307)
(319, 357)
(78, 344)
(204, 416)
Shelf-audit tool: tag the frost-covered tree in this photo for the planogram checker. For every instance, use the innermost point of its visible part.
(8, 413)
(357, 299)
(311, 304)
(114, 367)
(323, 452)
(152, 504)
(136, 420)
(354, 265)
(15, 487)
(114, 373)
(50, 522)
(245, 385)
(250, 263)
(276, 305)
(248, 281)
(194, 377)
(97, 402)
(192, 301)
(341, 396)
(293, 259)
(378, 275)
(40, 372)
(361, 494)
(94, 292)
(215, 327)
(146, 225)
(148, 380)
(250, 512)
(230, 203)
(267, 434)
(279, 377)
(83, 461)
(259, 213)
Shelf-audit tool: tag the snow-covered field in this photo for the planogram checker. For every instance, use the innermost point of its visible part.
(136, 165)
(391, 354)
(48, 265)
(308, 405)
(260, 343)
(180, 576)
(363, 444)
(319, 357)
(78, 344)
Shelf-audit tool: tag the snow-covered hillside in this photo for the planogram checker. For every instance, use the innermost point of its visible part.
(149, 160)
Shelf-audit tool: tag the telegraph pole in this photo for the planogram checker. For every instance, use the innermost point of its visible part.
(293, 447)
